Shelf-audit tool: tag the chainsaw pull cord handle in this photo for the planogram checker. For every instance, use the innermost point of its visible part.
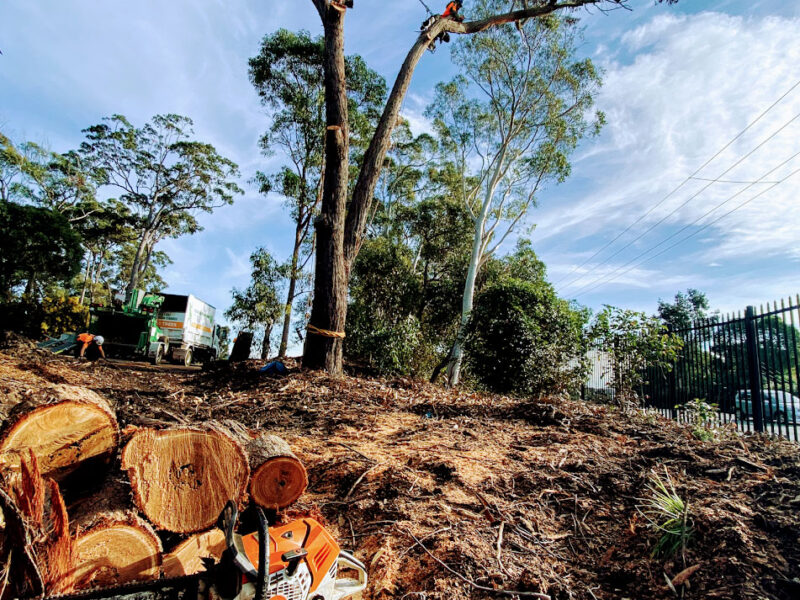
(262, 582)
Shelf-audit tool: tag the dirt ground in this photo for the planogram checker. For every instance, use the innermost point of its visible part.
(446, 494)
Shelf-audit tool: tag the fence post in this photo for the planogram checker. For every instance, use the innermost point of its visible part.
(754, 369)
(671, 391)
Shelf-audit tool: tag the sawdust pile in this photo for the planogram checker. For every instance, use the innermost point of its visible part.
(459, 495)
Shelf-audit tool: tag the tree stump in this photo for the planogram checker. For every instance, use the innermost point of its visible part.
(71, 427)
(187, 557)
(181, 478)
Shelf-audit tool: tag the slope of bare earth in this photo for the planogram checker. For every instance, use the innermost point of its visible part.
(446, 494)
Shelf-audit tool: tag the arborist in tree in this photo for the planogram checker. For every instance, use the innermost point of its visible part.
(450, 12)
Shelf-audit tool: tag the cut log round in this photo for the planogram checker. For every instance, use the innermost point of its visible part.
(72, 426)
(279, 478)
(181, 478)
(187, 557)
(115, 548)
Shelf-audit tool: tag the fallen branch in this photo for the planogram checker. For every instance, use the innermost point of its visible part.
(477, 586)
(364, 474)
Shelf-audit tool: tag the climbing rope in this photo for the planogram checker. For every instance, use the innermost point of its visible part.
(325, 332)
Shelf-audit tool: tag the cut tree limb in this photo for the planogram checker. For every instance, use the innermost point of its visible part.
(187, 557)
(70, 427)
(278, 476)
(112, 545)
(115, 548)
(181, 478)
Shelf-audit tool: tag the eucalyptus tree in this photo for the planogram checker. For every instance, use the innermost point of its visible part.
(163, 177)
(342, 225)
(510, 122)
(287, 74)
(258, 307)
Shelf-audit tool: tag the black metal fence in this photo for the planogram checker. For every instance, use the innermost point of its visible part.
(726, 362)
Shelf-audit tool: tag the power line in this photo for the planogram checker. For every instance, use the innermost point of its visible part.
(609, 277)
(684, 182)
(692, 197)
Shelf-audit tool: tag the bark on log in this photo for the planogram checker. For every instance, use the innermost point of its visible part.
(187, 557)
(279, 478)
(42, 508)
(24, 579)
(71, 427)
(181, 478)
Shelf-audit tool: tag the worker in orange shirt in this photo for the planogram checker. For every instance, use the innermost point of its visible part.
(88, 340)
(451, 12)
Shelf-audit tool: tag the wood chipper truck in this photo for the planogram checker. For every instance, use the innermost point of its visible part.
(189, 324)
(130, 326)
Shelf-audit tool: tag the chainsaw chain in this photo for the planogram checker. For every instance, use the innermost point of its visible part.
(126, 588)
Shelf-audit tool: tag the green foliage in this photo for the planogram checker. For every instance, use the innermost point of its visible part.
(164, 178)
(62, 313)
(634, 341)
(701, 415)
(668, 514)
(37, 246)
(687, 309)
(258, 307)
(523, 339)
(383, 328)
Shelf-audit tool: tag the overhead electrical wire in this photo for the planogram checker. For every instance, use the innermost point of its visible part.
(692, 197)
(615, 274)
(684, 182)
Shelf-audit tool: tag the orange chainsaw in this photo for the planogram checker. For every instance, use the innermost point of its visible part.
(300, 561)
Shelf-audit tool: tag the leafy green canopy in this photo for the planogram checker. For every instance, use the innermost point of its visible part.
(521, 337)
(36, 244)
(163, 177)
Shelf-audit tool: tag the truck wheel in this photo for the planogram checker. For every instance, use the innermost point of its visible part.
(159, 355)
(188, 358)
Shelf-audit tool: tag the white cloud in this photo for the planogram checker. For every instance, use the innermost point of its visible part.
(691, 84)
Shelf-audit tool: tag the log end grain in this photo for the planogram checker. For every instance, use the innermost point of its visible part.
(72, 426)
(116, 550)
(278, 482)
(181, 478)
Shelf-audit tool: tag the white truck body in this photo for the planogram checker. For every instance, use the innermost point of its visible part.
(189, 324)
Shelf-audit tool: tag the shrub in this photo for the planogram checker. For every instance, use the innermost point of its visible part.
(382, 327)
(523, 339)
(62, 314)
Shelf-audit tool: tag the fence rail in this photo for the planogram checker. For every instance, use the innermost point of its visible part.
(727, 362)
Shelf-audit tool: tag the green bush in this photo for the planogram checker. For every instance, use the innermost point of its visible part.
(63, 314)
(523, 339)
(382, 327)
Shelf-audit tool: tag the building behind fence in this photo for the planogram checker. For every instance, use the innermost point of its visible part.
(727, 361)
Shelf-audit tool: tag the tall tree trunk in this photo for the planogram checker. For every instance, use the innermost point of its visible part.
(265, 343)
(479, 242)
(96, 275)
(89, 264)
(329, 309)
(141, 250)
(287, 315)
(30, 287)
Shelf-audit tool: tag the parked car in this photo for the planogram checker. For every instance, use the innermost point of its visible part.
(781, 407)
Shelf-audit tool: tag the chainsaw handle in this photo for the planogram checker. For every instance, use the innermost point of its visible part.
(262, 581)
(228, 520)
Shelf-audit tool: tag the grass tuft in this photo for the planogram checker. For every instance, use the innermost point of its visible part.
(668, 514)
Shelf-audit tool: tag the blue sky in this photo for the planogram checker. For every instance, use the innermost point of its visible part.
(680, 83)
